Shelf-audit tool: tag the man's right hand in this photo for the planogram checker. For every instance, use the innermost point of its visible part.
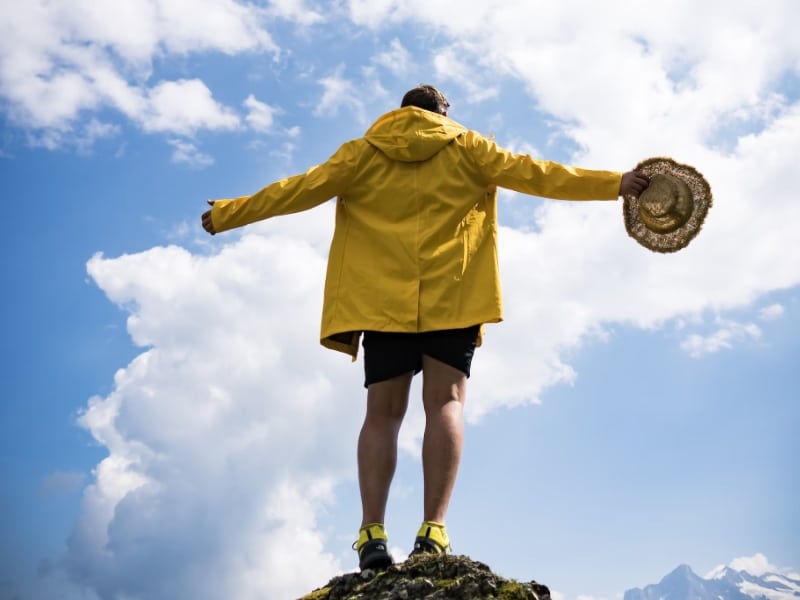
(208, 224)
(633, 183)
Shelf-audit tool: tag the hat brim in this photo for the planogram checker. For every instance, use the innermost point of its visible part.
(680, 237)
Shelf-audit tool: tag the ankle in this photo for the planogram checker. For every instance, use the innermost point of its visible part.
(435, 531)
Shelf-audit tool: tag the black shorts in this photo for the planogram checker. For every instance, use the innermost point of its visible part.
(389, 354)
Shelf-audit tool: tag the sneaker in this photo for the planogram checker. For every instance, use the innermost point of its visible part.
(372, 547)
(431, 539)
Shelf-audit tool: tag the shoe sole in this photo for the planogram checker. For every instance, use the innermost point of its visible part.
(377, 562)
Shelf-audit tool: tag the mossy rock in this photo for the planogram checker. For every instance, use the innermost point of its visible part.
(429, 577)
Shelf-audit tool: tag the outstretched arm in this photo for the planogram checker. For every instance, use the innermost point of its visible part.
(633, 183)
(290, 195)
(544, 178)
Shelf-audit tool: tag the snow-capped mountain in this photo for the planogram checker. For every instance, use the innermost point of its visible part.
(723, 583)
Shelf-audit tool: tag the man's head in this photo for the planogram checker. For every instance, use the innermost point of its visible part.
(427, 97)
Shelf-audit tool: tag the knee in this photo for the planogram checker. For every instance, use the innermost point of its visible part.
(386, 411)
(385, 418)
(448, 400)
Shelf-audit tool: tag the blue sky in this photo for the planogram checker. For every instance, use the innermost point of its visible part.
(170, 425)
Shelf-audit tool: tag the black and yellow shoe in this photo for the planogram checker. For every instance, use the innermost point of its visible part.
(431, 539)
(373, 547)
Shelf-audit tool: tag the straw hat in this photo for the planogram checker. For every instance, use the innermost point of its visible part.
(670, 212)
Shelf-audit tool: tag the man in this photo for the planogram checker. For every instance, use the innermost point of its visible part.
(413, 266)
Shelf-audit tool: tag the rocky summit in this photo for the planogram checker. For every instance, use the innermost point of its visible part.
(429, 577)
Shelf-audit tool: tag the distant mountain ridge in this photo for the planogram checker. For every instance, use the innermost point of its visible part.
(723, 583)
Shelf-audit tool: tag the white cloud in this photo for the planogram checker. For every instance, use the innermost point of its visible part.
(631, 90)
(296, 11)
(725, 337)
(771, 312)
(285, 151)
(228, 26)
(96, 129)
(223, 443)
(261, 116)
(185, 106)
(187, 153)
(181, 231)
(339, 92)
(452, 64)
(61, 60)
(82, 137)
(373, 13)
(396, 59)
(757, 565)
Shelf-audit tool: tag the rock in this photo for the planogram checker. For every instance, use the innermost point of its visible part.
(429, 577)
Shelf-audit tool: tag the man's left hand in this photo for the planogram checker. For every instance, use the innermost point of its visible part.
(633, 183)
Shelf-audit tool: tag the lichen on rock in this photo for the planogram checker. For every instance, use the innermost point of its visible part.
(429, 577)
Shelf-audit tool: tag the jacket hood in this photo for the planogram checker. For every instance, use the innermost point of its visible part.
(412, 134)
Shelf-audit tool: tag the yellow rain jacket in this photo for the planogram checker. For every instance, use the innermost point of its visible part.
(415, 243)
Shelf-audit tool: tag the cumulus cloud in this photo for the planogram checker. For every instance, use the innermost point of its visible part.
(229, 26)
(185, 106)
(59, 61)
(226, 441)
(683, 80)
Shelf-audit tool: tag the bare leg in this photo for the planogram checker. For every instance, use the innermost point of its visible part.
(377, 444)
(443, 395)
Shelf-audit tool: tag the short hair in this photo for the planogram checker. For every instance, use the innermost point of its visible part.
(427, 97)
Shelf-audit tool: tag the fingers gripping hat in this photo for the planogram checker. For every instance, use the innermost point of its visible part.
(671, 211)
